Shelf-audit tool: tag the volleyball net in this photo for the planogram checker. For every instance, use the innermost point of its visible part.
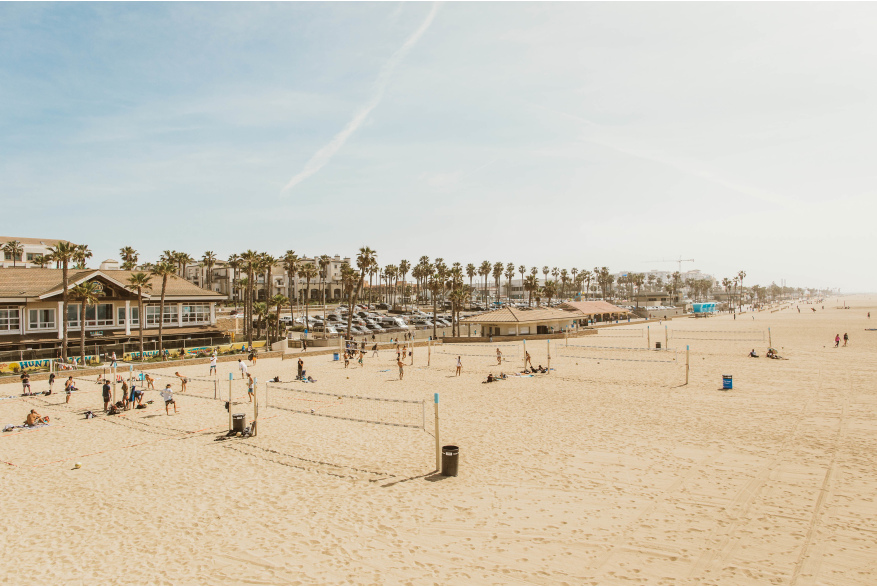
(720, 335)
(508, 350)
(621, 332)
(404, 413)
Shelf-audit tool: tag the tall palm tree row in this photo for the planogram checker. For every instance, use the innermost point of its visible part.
(209, 261)
(290, 265)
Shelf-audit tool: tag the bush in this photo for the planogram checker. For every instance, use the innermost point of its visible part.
(15, 369)
(298, 328)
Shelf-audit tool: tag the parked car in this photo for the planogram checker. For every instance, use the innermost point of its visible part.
(383, 307)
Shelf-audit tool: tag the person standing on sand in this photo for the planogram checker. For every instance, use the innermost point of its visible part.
(243, 367)
(250, 387)
(498, 356)
(374, 349)
(459, 366)
(527, 361)
(168, 396)
(401, 369)
(846, 339)
(51, 381)
(213, 364)
(106, 393)
(301, 366)
(837, 341)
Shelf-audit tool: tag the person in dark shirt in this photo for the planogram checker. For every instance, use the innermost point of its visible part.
(106, 390)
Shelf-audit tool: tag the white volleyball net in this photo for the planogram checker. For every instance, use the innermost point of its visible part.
(719, 335)
(403, 413)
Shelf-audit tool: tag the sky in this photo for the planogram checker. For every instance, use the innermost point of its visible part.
(564, 134)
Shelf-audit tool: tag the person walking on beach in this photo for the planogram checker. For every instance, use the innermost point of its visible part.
(243, 367)
(213, 364)
(837, 341)
(401, 369)
(527, 361)
(846, 339)
(250, 387)
(374, 348)
(498, 356)
(459, 366)
(168, 396)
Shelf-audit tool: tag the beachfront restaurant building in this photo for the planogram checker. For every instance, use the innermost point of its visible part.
(31, 306)
(510, 321)
(595, 311)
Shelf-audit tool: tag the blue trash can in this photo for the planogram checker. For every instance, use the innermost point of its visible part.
(727, 382)
(335, 356)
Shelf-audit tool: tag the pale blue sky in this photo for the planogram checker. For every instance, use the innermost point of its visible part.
(562, 134)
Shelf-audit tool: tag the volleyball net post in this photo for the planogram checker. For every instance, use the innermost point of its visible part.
(438, 444)
(648, 337)
(687, 367)
(255, 406)
(114, 382)
(549, 354)
(230, 382)
(666, 337)
(769, 340)
(525, 353)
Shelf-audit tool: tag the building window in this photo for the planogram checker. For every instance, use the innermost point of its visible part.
(99, 315)
(170, 314)
(41, 319)
(196, 313)
(9, 257)
(135, 316)
(30, 256)
(9, 319)
(72, 315)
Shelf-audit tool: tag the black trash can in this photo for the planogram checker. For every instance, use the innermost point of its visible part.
(238, 422)
(450, 459)
(657, 345)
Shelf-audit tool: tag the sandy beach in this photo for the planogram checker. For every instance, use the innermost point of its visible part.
(608, 470)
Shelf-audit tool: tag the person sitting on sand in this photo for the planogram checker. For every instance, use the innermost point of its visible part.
(490, 378)
(502, 375)
(168, 395)
(34, 418)
(753, 354)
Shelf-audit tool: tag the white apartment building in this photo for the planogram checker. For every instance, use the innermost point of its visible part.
(33, 249)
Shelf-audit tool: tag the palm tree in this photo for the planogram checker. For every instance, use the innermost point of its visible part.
(14, 249)
(545, 271)
(87, 294)
(404, 268)
(234, 261)
(81, 255)
(325, 262)
(364, 260)
(471, 272)
(250, 263)
(537, 293)
(458, 297)
(278, 302)
(268, 263)
(740, 276)
(260, 309)
(209, 260)
(676, 277)
(308, 272)
(484, 271)
(549, 290)
(139, 282)
(497, 275)
(509, 273)
(63, 253)
(564, 278)
(290, 265)
(164, 271)
(129, 258)
(42, 260)
(436, 286)
(530, 285)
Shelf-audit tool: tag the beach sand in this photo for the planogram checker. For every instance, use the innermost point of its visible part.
(605, 471)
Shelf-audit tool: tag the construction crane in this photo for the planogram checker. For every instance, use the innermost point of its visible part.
(680, 260)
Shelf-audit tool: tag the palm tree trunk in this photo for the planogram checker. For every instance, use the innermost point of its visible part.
(82, 335)
(140, 319)
(161, 316)
(64, 317)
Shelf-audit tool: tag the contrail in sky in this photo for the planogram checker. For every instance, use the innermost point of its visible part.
(323, 156)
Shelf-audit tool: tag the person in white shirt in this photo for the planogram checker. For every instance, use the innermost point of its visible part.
(213, 364)
(243, 368)
(168, 396)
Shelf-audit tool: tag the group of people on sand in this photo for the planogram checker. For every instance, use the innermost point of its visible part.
(771, 354)
(837, 339)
